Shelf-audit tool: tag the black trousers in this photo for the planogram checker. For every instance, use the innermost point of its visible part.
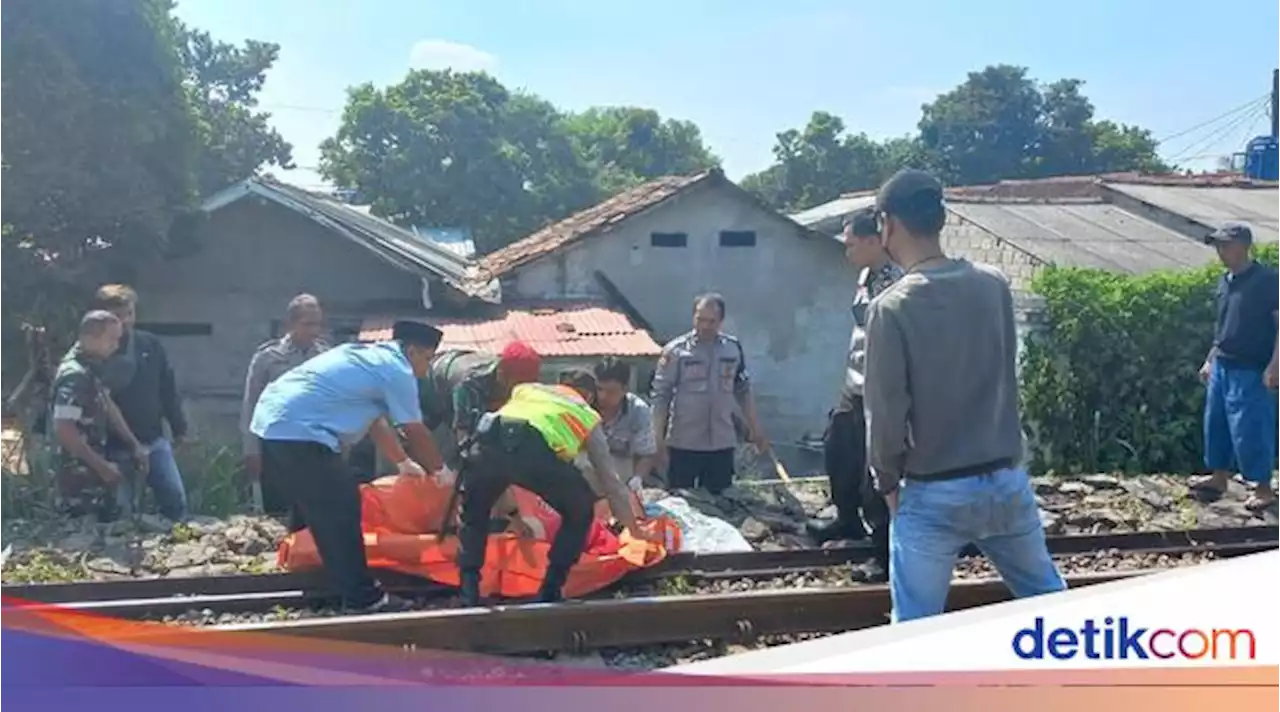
(318, 482)
(276, 501)
(513, 453)
(852, 490)
(688, 469)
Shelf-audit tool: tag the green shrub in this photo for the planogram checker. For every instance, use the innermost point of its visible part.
(1109, 383)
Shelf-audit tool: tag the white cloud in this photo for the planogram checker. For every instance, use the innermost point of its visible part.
(443, 54)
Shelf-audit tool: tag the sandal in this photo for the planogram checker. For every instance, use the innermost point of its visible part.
(1257, 504)
(1206, 486)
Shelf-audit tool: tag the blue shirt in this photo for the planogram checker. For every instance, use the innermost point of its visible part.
(335, 396)
(1246, 329)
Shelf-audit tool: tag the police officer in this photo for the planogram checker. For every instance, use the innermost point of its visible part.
(306, 415)
(845, 444)
(532, 441)
(304, 321)
(83, 415)
(463, 385)
(700, 382)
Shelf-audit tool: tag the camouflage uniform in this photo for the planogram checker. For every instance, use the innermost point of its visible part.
(79, 395)
(458, 389)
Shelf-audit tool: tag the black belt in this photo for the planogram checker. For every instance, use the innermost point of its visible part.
(985, 468)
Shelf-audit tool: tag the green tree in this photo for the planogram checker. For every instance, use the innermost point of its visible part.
(443, 148)
(625, 145)
(223, 81)
(999, 124)
(98, 139)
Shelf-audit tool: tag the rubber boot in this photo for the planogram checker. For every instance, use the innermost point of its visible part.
(470, 588)
(552, 590)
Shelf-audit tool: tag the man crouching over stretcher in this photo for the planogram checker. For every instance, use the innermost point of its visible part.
(531, 442)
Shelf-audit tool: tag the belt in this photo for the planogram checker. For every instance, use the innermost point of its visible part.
(985, 468)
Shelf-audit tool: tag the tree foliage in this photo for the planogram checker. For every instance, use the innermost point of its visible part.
(1109, 383)
(998, 125)
(625, 146)
(224, 81)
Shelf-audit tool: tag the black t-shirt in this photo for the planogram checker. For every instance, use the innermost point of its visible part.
(1246, 330)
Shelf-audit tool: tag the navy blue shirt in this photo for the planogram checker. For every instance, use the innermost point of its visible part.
(1246, 329)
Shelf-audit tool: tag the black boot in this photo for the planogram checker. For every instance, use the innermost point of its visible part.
(470, 588)
(851, 528)
(552, 590)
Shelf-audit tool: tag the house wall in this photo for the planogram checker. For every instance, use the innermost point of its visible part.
(254, 257)
(787, 297)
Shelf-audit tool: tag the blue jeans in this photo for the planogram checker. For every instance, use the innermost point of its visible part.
(165, 481)
(997, 512)
(1239, 422)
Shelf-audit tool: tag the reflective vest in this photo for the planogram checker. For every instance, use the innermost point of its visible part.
(558, 413)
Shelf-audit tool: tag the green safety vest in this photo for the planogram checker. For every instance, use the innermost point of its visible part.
(558, 413)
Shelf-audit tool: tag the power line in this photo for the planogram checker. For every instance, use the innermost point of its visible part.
(1252, 103)
(1224, 131)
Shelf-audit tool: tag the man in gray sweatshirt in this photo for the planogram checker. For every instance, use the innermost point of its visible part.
(941, 397)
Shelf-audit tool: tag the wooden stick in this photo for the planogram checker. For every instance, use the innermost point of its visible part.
(779, 468)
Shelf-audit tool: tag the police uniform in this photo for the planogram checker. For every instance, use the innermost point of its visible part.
(80, 396)
(699, 387)
(270, 361)
(532, 441)
(845, 442)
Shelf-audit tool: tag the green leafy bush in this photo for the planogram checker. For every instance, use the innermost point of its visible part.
(1109, 383)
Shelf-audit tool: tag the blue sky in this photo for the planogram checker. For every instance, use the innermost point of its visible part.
(746, 70)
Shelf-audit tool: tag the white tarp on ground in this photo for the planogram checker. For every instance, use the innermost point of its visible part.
(1183, 617)
(699, 533)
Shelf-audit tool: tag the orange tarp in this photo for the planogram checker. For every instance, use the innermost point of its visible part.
(401, 517)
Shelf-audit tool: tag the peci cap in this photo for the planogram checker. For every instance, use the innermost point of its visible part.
(416, 333)
(1230, 232)
(863, 223)
(909, 191)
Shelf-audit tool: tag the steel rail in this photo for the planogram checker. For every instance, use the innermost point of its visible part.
(581, 625)
(307, 585)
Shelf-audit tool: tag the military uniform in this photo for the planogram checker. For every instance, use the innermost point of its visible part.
(270, 361)
(80, 396)
(699, 387)
(459, 388)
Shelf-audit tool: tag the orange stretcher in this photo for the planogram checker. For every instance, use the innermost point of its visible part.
(400, 516)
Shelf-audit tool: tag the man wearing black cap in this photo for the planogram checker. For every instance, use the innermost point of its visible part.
(941, 394)
(305, 416)
(857, 503)
(1240, 370)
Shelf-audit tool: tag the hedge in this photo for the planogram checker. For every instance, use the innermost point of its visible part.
(1109, 381)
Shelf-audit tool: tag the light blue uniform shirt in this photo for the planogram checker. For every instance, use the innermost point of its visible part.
(335, 396)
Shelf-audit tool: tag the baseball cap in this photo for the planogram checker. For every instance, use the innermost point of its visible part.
(1230, 232)
(416, 333)
(909, 191)
(863, 223)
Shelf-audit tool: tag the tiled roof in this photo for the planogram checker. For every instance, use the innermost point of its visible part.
(392, 243)
(572, 330)
(597, 219)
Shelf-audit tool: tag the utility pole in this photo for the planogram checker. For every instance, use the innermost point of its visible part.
(1275, 104)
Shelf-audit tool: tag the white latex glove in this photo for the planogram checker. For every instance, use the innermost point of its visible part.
(635, 484)
(409, 468)
(445, 476)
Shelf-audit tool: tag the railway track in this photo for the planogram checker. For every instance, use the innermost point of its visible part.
(160, 597)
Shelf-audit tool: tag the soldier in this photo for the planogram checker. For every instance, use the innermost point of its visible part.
(464, 385)
(845, 444)
(304, 321)
(532, 441)
(701, 379)
(82, 415)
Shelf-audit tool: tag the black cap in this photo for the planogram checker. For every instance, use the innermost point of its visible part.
(863, 223)
(909, 191)
(1230, 232)
(416, 333)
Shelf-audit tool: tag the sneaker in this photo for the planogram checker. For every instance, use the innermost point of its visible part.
(386, 604)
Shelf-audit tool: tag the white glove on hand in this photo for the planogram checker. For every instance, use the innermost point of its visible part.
(635, 485)
(445, 476)
(409, 468)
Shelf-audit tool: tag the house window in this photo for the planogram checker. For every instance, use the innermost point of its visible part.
(737, 238)
(178, 328)
(668, 239)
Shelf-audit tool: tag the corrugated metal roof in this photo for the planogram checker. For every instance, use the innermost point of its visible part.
(1212, 206)
(586, 330)
(1085, 234)
(827, 217)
